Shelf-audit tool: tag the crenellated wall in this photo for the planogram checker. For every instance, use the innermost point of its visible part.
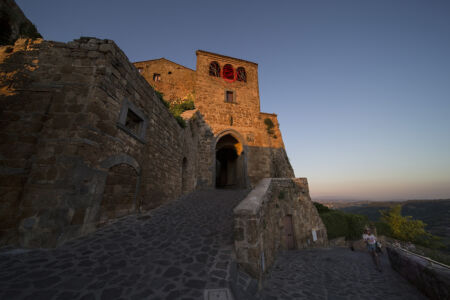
(277, 215)
(85, 139)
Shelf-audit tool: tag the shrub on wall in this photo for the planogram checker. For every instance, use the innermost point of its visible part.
(269, 125)
(177, 109)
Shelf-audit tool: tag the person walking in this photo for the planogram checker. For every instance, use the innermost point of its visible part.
(371, 242)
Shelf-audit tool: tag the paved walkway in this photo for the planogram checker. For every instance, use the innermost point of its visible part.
(335, 273)
(175, 252)
(179, 250)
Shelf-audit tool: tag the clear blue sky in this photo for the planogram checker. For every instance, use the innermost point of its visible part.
(361, 88)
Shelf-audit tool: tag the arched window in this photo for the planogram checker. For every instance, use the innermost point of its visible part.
(228, 72)
(241, 75)
(214, 69)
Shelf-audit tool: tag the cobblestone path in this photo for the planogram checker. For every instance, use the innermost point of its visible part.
(174, 252)
(335, 273)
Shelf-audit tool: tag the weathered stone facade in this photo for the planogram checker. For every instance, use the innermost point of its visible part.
(277, 215)
(84, 139)
(231, 107)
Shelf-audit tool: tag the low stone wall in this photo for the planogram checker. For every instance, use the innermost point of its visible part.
(262, 218)
(432, 279)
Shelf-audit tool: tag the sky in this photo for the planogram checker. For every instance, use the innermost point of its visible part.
(361, 88)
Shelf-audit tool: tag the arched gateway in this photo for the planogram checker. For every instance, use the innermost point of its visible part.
(231, 162)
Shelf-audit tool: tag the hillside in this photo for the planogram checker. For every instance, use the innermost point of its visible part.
(434, 213)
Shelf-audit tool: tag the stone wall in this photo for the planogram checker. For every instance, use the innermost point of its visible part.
(73, 113)
(174, 80)
(264, 153)
(431, 279)
(260, 223)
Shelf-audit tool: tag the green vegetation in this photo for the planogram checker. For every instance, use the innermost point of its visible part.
(177, 109)
(269, 125)
(339, 223)
(434, 254)
(405, 228)
(161, 98)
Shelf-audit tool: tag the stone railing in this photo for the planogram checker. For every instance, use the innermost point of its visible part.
(432, 278)
(277, 214)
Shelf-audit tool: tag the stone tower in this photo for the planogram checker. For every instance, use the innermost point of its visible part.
(247, 142)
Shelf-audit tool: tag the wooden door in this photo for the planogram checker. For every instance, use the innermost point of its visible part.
(289, 232)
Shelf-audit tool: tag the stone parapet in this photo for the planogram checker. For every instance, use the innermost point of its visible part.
(260, 228)
(431, 278)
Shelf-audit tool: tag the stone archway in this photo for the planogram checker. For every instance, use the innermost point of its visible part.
(119, 193)
(120, 190)
(230, 163)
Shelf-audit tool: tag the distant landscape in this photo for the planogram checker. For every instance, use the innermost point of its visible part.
(434, 213)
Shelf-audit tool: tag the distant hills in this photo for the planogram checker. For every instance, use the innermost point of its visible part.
(434, 213)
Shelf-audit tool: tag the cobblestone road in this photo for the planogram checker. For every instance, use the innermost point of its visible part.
(179, 250)
(175, 252)
(335, 273)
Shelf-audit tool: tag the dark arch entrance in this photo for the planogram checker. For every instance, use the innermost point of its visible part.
(230, 163)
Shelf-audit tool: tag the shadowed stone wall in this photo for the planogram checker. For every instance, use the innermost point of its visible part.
(78, 123)
(14, 24)
(259, 225)
(431, 279)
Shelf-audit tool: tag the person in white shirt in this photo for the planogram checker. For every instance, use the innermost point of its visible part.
(371, 242)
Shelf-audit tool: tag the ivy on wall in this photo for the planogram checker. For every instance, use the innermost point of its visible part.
(177, 109)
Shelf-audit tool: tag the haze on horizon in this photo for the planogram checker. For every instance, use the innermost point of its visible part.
(361, 88)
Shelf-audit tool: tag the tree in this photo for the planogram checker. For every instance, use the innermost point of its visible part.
(406, 229)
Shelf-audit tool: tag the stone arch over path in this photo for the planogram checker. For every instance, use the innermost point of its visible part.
(122, 180)
(230, 157)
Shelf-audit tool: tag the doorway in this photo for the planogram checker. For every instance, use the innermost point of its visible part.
(289, 232)
(230, 163)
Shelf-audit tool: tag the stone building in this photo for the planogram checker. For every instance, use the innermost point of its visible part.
(248, 142)
(85, 139)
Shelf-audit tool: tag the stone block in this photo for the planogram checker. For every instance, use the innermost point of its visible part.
(89, 46)
(93, 54)
(239, 234)
(106, 48)
(252, 231)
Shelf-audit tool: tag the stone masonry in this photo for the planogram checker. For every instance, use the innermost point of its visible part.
(258, 138)
(84, 139)
(260, 231)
